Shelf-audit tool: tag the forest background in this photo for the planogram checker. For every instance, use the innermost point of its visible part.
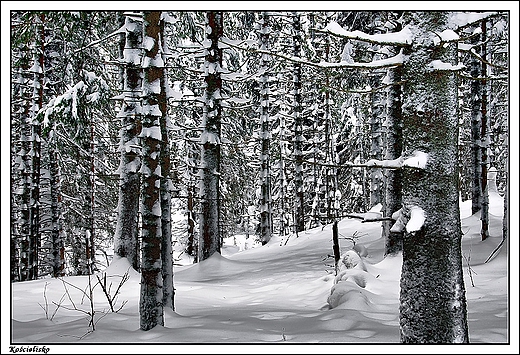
(513, 125)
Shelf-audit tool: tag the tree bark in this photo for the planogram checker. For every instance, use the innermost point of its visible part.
(394, 147)
(166, 181)
(209, 241)
(432, 300)
(127, 229)
(151, 301)
(265, 134)
(484, 141)
(299, 202)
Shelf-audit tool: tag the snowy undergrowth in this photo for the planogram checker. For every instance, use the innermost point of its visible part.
(275, 293)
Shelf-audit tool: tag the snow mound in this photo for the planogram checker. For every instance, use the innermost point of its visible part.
(351, 278)
(351, 259)
(119, 266)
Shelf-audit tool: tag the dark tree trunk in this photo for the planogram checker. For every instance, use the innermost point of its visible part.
(432, 301)
(58, 248)
(476, 106)
(151, 300)
(265, 133)
(484, 140)
(166, 183)
(299, 203)
(127, 230)
(394, 147)
(209, 241)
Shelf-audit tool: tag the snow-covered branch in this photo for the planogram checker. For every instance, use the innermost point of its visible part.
(401, 38)
(394, 61)
(417, 160)
(116, 32)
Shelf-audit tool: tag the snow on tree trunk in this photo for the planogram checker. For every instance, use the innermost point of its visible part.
(265, 133)
(25, 174)
(505, 218)
(299, 203)
(125, 239)
(209, 241)
(394, 147)
(166, 181)
(58, 248)
(377, 107)
(151, 300)
(484, 140)
(432, 300)
(36, 105)
(476, 105)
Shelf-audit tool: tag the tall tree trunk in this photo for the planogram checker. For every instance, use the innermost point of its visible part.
(151, 301)
(394, 147)
(476, 106)
(166, 180)
(484, 140)
(34, 209)
(209, 241)
(127, 229)
(58, 247)
(265, 133)
(299, 203)
(432, 300)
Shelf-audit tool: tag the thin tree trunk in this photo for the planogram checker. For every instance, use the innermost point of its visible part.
(476, 106)
(166, 183)
(127, 229)
(376, 175)
(484, 140)
(299, 203)
(209, 241)
(34, 212)
(151, 301)
(265, 134)
(394, 147)
(58, 248)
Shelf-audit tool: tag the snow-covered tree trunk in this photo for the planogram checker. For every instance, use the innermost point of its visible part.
(484, 139)
(166, 182)
(127, 229)
(265, 133)
(57, 240)
(299, 202)
(151, 300)
(394, 147)
(25, 176)
(209, 240)
(376, 177)
(432, 299)
(476, 105)
(91, 219)
(37, 103)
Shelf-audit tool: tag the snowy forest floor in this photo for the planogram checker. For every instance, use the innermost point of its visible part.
(269, 294)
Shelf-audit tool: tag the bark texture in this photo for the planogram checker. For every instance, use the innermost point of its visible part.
(432, 300)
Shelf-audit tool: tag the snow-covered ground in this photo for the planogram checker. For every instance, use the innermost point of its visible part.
(275, 293)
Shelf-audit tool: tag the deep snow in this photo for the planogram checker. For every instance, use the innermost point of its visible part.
(274, 294)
